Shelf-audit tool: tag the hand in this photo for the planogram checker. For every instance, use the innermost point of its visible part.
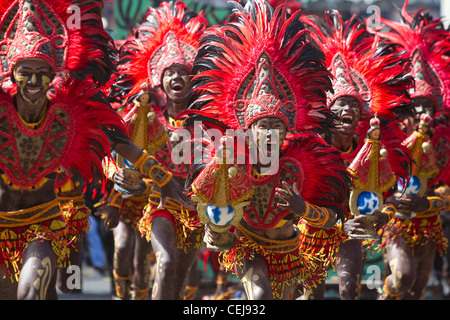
(409, 204)
(293, 201)
(173, 191)
(124, 179)
(379, 220)
(421, 204)
(112, 216)
(358, 225)
(218, 241)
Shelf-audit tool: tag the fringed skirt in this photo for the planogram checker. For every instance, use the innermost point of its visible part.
(76, 215)
(187, 224)
(19, 228)
(132, 210)
(320, 242)
(286, 262)
(416, 232)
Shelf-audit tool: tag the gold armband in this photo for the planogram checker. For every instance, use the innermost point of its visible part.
(316, 216)
(150, 167)
(115, 199)
(389, 210)
(435, 205)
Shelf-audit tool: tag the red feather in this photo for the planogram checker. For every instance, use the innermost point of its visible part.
(350, 41)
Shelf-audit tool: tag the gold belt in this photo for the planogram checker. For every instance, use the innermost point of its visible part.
(39, 213)
(274, 245)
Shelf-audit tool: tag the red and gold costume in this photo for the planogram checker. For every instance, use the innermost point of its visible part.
(68, 140)
(168, 36)
(252, 68)
(425, 42)
(365, 69)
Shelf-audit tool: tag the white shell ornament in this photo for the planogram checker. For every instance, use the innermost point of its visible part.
(368, 203)
(220, 216)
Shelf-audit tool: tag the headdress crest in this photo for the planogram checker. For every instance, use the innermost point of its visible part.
(169, 35)
(363, 67)
(427, 43)
(261, 63)
(66, 34)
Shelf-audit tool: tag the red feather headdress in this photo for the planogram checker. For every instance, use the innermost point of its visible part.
(68, 35)
(362, 66)
(261, 63)
(293, 5)
(427, 44)
(169, 35)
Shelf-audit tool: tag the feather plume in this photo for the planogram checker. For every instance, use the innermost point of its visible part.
(230, 54)
(326, 180)
(423, 40)
(374, 70)
(74, 29)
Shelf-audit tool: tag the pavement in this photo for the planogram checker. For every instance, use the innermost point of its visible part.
(97, 286)
(94, 286)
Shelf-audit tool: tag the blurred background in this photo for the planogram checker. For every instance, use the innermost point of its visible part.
(122, 15)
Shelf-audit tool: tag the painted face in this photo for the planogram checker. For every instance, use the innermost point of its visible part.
(175, 82)
(32, 78)
(348, 110)
(423, 105)
(269, 133)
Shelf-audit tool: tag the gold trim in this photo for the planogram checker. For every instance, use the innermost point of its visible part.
(30, 215)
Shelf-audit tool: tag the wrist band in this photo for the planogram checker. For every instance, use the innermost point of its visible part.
(109, 169)
(389, 210)
(150, 167)
(312, 211)
(115, 199)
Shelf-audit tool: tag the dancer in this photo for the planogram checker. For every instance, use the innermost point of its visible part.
(414, 234)
(259, 72)
(132, 253)
(55, 134)
(162, 55)
(369, 79)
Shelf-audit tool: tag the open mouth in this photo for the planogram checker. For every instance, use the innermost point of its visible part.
(177, 87)
(347, 119)
(269, 147)
(33, 91)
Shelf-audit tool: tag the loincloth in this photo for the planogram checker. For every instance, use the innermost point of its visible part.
(19, 228)
(187, 224)
(416, 232)
(287, 263)
(76, 214)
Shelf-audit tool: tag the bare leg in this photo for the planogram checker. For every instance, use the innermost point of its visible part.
(255, 278)
(141, 266)
(403, 268)
(192, 281)
(123, 252)
(172, 263)
(349, 268)
(424, 257)
(75, 260)
(37, 279)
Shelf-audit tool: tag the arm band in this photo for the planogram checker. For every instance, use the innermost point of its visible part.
(316, 216)
(150, 167)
